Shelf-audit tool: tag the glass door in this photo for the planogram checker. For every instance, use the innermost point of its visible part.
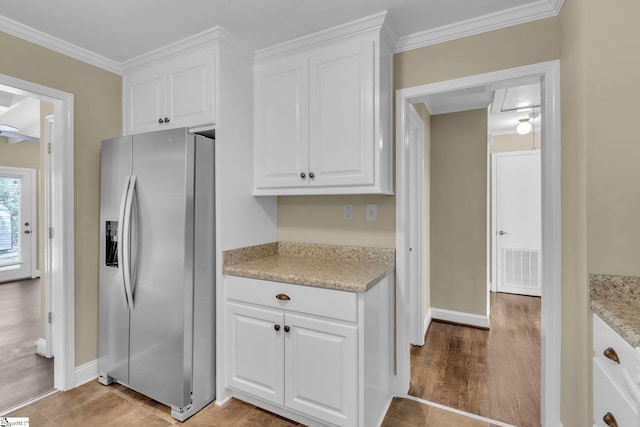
(17, 204)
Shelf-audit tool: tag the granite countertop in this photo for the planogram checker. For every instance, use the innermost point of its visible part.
(348, 268)
(616, 300)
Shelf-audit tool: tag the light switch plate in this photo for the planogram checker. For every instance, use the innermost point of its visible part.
(372, 212)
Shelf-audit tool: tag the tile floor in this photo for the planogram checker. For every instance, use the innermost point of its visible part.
(95, 405)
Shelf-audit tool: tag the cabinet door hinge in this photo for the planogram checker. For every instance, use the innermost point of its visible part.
(50, 317)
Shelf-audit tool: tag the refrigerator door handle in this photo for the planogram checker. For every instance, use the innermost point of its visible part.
(126, 253)
(121, 238)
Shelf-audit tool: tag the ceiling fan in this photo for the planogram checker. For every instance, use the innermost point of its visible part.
(14, 136)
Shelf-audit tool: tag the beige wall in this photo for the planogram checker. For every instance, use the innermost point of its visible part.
(320, 219)
(459, 211)
(576, 330)
(98, 115)
(514, 142)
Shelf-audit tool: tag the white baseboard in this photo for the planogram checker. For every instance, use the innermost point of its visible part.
(87, 372)
(41, 347)
(459, 317)
(427, 322)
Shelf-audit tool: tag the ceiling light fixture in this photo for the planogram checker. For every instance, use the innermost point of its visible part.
(524, 127)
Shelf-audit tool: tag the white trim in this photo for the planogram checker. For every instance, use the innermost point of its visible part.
(427, 322)
(32, 35)
(529, 12)
(86, 373)
(469, 319)
(41, 347)
(549, 73)
(60, 257)
(415, 228)
(459, 412)
(368, 23)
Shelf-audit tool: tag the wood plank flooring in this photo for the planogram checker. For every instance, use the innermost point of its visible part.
(94, 404)
(23, 374)
(493, 373)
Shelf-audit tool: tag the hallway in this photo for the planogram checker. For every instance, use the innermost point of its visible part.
(25, 375)
(493, 373)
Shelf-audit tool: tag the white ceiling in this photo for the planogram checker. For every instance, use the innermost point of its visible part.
(116, 31)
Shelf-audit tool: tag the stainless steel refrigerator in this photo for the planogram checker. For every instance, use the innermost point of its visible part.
(157, 269)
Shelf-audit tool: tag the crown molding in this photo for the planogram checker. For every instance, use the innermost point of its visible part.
(363, 25)
(518, 15)
(38, 37)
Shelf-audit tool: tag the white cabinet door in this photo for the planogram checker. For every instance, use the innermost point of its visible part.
(190, 89)
(321, 369)
(145, 99)
(341, 116)
(255, 351)
(178, 92)
(281, 111)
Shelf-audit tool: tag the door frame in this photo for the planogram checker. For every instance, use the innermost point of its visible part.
(59, 255)
(549, 74)
(414, 147)
(494, 206)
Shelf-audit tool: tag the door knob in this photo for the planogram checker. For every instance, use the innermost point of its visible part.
(502, 233)
(27, 231)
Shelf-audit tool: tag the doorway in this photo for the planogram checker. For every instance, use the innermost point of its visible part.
(547, 74)
(58, 223)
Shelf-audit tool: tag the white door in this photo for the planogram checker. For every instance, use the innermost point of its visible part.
(17, 206)
(517, 231)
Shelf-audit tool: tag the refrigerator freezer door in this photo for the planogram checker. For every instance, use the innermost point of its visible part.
(162, 319)
(113, 341)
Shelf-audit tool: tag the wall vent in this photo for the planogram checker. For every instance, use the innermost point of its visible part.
(521, 267)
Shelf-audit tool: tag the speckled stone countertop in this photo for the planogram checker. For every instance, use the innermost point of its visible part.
(347, 268)
(616, 300)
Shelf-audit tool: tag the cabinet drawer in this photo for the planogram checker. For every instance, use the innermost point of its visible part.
(605, 339)
(330, 303)
(609, 397)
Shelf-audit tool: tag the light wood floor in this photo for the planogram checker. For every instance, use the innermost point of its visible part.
(493, 373)
(23, 374)
(493, 388)
(94, 404)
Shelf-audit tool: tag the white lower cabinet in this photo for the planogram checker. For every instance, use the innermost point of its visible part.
(616, 390)
(302, 352)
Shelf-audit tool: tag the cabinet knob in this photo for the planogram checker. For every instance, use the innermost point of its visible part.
(166, 119)
(283, 297)
(611, 354)
(276, 327)
(610, 420)
(287, 329)
(311, 175)
(303, 175)
(160, 120)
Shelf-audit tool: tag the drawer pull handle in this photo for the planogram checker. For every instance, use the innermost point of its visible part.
(276, 327)
(287, 329)
(611, 354)
(283, 297)
(610, 420)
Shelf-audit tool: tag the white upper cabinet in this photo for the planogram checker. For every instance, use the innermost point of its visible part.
(176, 92)
(322, 113)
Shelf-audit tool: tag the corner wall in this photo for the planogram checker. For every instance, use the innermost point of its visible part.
(98, 116)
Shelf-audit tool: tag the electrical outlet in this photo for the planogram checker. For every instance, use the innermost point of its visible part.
(372, 212)
(348, 211)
